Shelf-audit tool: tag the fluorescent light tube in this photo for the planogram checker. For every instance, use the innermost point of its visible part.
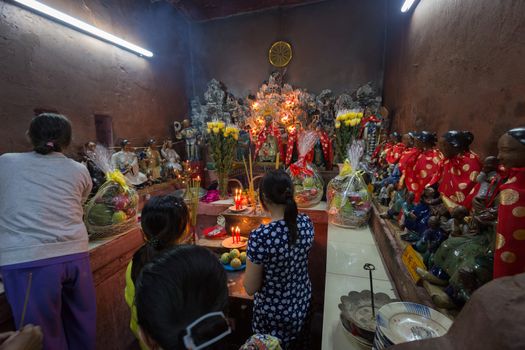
(407, 5)
(84, 27)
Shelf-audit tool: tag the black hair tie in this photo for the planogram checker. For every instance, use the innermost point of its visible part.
(154, 242)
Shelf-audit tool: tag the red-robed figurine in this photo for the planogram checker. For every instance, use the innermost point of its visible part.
(458, 170)
(509, 256)
(393, 153)
(420, 165)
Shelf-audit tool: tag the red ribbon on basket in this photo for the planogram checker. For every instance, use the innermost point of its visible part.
(300, 167)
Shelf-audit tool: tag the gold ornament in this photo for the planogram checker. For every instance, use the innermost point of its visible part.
(518, 212)
(500, 241)
(508, 257)
(280, 54)
(509, 196)
(519, 234)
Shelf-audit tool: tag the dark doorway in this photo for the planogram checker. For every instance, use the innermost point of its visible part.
(104, 130)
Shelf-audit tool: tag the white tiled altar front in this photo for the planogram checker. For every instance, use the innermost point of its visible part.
(348, 251)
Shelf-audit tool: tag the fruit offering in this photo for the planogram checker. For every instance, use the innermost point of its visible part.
(234, 259)
(349, 202)
(112, 208)
(308, 189)
(308, 184)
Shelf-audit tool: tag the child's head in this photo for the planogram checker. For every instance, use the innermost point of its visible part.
(429, 192)
(178, 288)
(459, 212)
(49, 132)
(410, 197)
(164, 221)
(490, 164)
(276, 190)
(433, 222)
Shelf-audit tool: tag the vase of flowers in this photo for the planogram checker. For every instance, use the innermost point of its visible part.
(347, 128)
(222, 145)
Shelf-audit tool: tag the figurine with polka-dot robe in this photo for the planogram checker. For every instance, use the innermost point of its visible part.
(422, 164)
(509, 256)
(458, 170)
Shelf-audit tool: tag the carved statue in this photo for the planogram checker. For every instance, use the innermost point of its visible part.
(151, 161)
(268, 141)
(191, 136)
(127, 162)
(509, 256)
(172, 160)
(97, 175)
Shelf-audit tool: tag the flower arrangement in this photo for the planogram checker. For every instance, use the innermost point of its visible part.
(222, 145)
(347, 127)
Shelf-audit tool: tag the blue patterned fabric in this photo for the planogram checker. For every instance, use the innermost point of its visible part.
(282, 304)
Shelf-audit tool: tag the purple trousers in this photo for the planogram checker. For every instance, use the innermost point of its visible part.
(61, 299)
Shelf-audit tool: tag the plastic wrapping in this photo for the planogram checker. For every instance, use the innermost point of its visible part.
(113, 209)
(308, 184)
(347, 194)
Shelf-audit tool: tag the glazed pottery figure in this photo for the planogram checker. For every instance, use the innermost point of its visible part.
(190, 135)
(171, 160)
(152, 161)
(127, 162)
(458, 170)
(509, 256)
(422, 164)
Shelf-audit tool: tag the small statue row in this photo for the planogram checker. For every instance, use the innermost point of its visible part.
(465, 217)
(148, 166)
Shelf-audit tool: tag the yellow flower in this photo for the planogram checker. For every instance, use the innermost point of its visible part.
(210, 125)
(216, 130)
(353, 122)
(337, 124)
(220, 125)
(348, 122)
(208, 131)
(236, 136)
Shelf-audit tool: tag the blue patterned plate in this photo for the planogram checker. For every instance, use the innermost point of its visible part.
(403, 322)
(230, 268)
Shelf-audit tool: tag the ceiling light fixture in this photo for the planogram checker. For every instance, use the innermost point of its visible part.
(407, 5)
(84, 27)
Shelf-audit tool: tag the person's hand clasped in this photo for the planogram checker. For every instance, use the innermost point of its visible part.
(28, 338)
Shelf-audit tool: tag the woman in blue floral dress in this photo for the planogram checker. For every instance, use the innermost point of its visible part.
(277, 264)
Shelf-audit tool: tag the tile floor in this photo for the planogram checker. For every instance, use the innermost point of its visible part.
(348, 251)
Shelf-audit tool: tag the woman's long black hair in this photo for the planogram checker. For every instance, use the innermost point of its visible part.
(277, 187)
(164, 220)
(177, 288)
(49, 132)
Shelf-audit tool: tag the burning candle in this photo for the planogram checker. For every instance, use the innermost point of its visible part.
(233, 234)
(238, 234)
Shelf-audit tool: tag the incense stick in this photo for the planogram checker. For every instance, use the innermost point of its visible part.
(26, 300)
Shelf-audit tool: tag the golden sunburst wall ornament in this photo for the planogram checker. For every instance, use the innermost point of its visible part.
(280, 54)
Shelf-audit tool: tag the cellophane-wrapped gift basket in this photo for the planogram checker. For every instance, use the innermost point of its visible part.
(113, 209)
(349, 200)
(308, 184)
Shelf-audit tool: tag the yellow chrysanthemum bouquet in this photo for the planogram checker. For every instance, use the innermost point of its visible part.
(222, 145)
(347, 127)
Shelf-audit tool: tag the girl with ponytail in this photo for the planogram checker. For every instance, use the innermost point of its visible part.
(277, 264)
(164, 222)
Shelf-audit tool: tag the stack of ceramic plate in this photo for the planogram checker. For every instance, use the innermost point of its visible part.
(356, 314)
(403, 322)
